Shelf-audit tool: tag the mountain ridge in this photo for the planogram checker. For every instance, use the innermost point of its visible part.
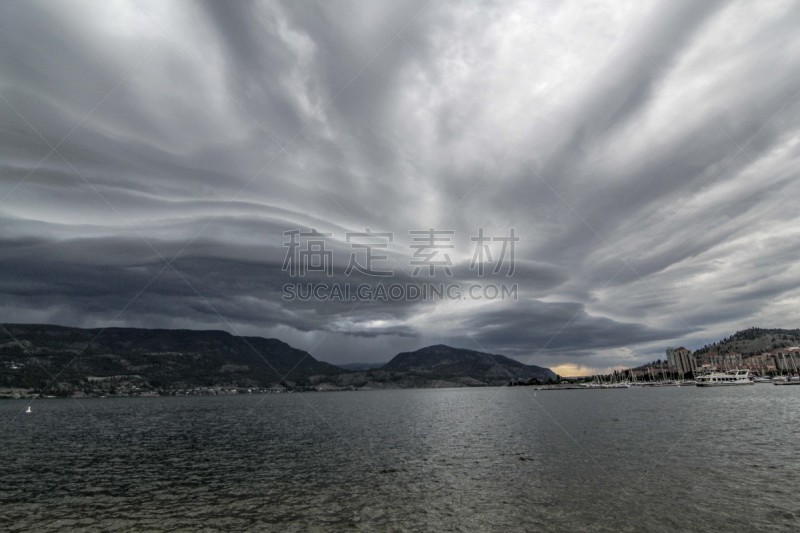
(64, 359)
(45, 359)
(753, 341)
(447, 361)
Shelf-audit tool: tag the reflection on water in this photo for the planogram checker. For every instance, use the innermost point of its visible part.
(446, 460)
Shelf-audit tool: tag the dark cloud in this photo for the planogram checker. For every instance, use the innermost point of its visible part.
(645, 154)
(533, 327)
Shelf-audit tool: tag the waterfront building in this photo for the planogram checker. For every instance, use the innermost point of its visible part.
(680, 360)
(787, 359)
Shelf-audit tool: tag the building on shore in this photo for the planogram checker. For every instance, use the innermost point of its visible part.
(681, 360)
(787, 359)
(762, 364)
(719, 361)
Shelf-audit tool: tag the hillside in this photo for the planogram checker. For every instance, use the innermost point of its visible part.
(438, 366)
(448, 363)
(64, 360)
(754, 341)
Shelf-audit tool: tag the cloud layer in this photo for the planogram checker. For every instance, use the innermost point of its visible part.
(154, 153)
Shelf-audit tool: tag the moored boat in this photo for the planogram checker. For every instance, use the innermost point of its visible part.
(718, 379)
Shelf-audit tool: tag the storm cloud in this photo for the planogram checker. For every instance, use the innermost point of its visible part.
(645, 153)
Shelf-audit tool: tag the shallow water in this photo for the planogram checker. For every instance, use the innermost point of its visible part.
(488, 459)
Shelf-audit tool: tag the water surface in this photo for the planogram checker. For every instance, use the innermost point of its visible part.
(488, 459)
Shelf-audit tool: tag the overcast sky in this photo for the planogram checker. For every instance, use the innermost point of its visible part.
(646, 153)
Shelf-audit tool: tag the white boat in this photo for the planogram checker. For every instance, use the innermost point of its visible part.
(718, 379)
(790, 380)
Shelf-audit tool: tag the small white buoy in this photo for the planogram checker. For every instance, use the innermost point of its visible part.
(28, 410)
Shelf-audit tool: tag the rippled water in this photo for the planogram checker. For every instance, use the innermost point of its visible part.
(504, 459)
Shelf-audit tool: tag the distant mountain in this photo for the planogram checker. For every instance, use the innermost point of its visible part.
(443, 362)
(361, 366)
(63, 361)
(68, 359)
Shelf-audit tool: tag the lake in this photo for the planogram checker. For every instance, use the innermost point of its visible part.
(478, 459)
